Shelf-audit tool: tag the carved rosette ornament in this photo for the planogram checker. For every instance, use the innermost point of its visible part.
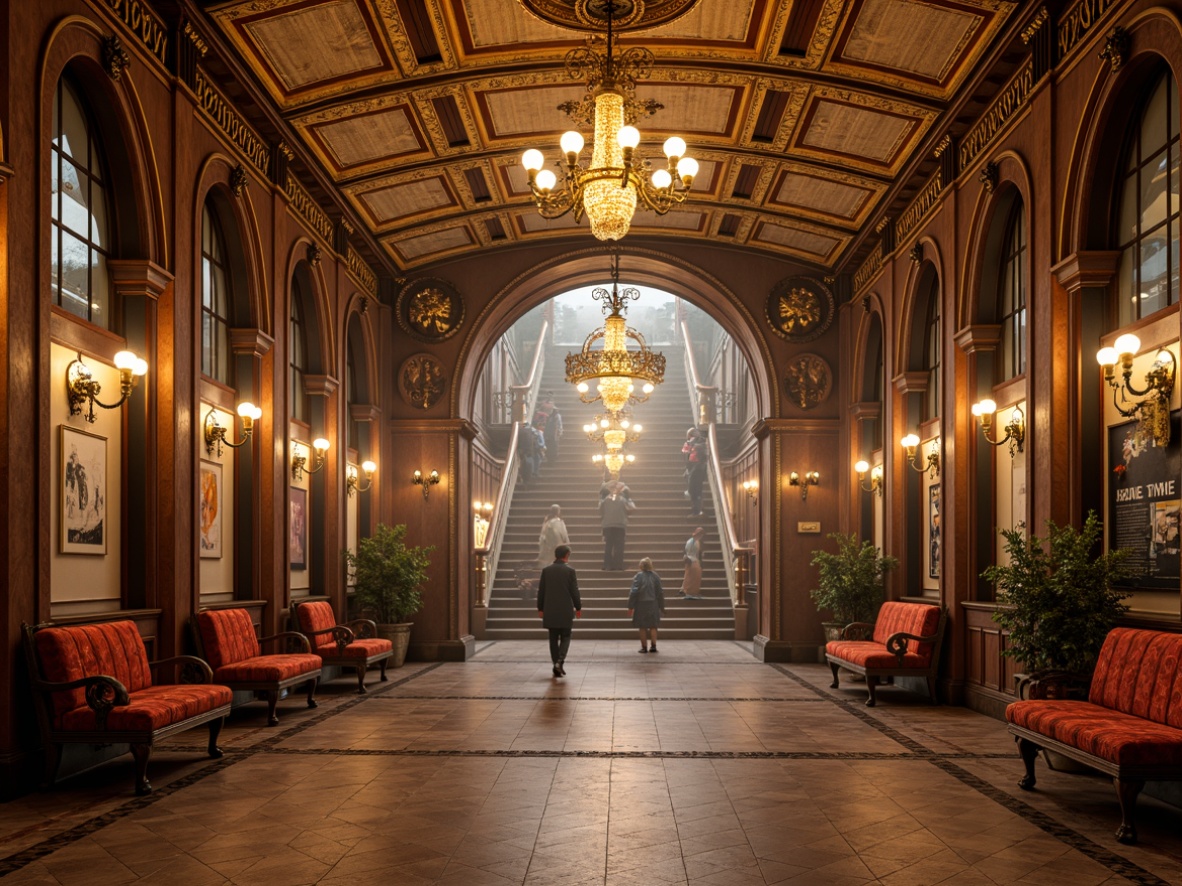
(314, 254)
(238, 180)
(1116, 47)
(429, 309)
(989, 177)
(421, 381)
(800, 309)
(115, 58)
(808, 381)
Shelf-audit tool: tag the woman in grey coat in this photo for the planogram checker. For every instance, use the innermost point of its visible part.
(646, 603)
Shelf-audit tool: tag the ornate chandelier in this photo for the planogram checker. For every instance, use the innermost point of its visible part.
(613, 430)
(613, 461)
(608, 190)
(613, 365)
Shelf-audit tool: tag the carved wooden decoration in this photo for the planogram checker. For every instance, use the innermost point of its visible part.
(422, 381)
(430, 309)
(800, 309)
(115, 58)
(238, 180)
(314, 254)
(808, 380)
(988, 177)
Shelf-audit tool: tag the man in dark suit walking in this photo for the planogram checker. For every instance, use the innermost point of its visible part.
(559, 605)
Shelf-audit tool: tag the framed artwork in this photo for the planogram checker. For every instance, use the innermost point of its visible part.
(83, 484)
(211, 509)
(297, 535)
(934, 531)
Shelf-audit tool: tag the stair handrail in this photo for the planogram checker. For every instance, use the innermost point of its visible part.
(734, 554)
(524, 399)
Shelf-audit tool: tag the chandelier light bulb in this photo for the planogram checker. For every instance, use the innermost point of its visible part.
(674, 147)
(582, 387)
(571, 142)
(546, 180)
(662, 179)
(1127, 344)
(648, 388)
(625, 424)
(603, 422)
(687, 168)
(532, 160)
(628, 136)
(637, 428)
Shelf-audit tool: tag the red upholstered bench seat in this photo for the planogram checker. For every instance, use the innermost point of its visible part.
(353, 646)
(227, 640)
(94, 686)
(905, 643)
(1130, 728)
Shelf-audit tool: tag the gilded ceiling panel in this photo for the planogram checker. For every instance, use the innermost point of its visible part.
(514, 112)
(395, 202)
(499, 23)
(840, 201)
(813, 244)
(859, 129)
(682, 220)
(532, 223)
(710, 20)
(436, 241)
(918, 39)
(364, 138)
(691, 109)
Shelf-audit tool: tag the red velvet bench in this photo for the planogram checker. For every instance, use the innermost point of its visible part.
(226, 639)
(93, 685)
(1130, 728)
(354, 646)
(905, 643)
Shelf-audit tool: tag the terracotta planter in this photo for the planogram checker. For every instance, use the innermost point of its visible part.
(399, 635)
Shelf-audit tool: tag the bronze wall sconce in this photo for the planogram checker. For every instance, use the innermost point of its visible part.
(215, 434)
(299, 458)
(1154, 410)
(931, 465)
(353, 482)
(875, 477)
(426, 481)
(1015, 429)
(810, 478)
(82, 388)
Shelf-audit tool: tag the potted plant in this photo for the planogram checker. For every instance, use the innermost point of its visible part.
(387, 574)
(850, 582)
(1057, 603)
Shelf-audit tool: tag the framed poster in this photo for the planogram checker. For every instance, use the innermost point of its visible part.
(297, 535)
(211, 509)
(83, 484)
(934, 531)
(1144, 503)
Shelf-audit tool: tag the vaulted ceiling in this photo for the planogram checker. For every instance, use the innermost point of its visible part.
(803, 113)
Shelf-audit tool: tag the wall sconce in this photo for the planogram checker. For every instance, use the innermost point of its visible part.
(82, 388)
(751, 487)
(875, 476)
(1154, 410)
(426, 482)
(353, 482)
(299, 458)
(215, 434)
(810, 478)
(932, 465)
(1015, 430)
(481, 520)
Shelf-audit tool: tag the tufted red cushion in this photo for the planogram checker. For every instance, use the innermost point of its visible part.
(1115, 736)
(317, 616)
(267, 668)
(152, 707)
(227, 636)
(362, 649)
(1139, 673)
(869, 654)
(114, 649)
(920, 619)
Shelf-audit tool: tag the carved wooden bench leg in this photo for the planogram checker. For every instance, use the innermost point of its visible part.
(1127, 790)
(1029, 752)
(833, 685)
(215, 728)
(53, 759)
(361, 679)
(871, 685)
(312, 693)
(141, 753)
(384, 662)
(932, 690)
(272, 701)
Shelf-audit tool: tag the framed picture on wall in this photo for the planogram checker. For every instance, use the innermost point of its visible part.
(297, 535)
(211, 509)
(934, 531)
(83, 484)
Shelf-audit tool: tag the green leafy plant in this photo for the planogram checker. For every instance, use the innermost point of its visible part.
(387, 574)
(1057, 600)
(851, 580)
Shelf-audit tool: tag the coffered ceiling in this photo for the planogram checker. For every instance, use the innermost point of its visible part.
(802, 113)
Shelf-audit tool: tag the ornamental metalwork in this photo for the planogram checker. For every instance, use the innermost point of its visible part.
(800, 309)
(421, 381)
(430, 309)
(808, 381)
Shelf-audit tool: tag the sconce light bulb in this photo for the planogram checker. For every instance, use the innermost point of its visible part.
(369, 467)
(125, 360)
(862, 466)
(246, 410)
(320, 445)
(435, 476)
(1107, 356)
(910, 441)
(418, 475)
(1127, 344)
(985, 407)
(140, 368)
(1163, 357)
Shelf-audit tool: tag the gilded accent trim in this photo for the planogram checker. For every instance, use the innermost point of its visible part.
(1004, 108)
(196, 39)
(362, 273)
(1080, 19)
(923, 203)
(869, 268)
(142, 22)
(308, 209)
(230, 122)
(1037, 22)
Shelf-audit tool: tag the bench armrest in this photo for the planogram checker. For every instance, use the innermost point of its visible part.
(365, 628)
(193, 669)
(102, 693)
(303, 643)
(857, 630)
(1050, 684)
(896, 644)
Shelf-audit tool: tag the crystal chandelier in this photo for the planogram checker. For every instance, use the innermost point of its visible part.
(613, 461)
(613, 365)
(614, 431)
(609, 189)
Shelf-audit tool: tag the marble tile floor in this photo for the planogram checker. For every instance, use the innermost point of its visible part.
(696, 765)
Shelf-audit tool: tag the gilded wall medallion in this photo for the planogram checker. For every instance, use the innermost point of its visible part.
(808, 380)
(430, 309)
(799, 309)
(422, 381)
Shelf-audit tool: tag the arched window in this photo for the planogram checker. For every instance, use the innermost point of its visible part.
(931, 353)
(299, 357)
(215, 300)
(1147, 218)
(80, 223)
(1011, 308)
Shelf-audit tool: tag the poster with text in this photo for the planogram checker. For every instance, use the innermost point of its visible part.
(1144, 499)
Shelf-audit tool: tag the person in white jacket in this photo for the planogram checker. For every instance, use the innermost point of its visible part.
(552, 535)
